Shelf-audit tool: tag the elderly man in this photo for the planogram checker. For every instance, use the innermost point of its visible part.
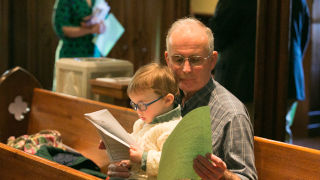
(191, 56)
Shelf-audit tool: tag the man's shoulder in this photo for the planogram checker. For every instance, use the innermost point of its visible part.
(224, 102)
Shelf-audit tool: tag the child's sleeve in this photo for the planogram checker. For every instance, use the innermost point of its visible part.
(158, 137)
(137, 126)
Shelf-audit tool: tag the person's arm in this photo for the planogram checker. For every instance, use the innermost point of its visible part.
(61, 21)
(233, 143)
(122, 169)
(154, 141)
(237, 147)
(135, 154)
(78, 31)
(149, 158)
(213, 168)
(119, 169)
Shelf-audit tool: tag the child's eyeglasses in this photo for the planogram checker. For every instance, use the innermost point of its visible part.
(143, 106)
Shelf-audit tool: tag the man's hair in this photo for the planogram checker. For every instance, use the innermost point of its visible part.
(189, 21)
(154, 76)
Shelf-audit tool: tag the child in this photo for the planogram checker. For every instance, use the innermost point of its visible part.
(151, 90)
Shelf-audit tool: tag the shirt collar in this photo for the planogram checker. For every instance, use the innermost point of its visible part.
(174, 113)
(200, 98)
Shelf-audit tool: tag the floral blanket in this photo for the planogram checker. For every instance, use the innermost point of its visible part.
(32, 143)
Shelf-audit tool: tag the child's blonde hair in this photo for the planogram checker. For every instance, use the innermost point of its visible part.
(154, 76)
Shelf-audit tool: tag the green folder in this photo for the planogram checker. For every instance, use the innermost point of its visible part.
(191, 137)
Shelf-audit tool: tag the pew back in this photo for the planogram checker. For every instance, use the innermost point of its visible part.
(13, 83)
(278, 160)
(65, 113)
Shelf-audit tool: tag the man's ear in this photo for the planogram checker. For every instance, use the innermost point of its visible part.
(166, 57)
(214, 59)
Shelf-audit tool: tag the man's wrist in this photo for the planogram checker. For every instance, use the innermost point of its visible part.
(228, 175)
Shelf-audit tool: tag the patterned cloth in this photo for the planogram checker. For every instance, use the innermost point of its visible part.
(31, 144)
(71, 13)
(232, 131)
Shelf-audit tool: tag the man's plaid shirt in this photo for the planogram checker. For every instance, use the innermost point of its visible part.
(232, 131)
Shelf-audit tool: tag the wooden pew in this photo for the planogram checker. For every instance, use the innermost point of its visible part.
(278, 160)
(16, 164)
(49, 110)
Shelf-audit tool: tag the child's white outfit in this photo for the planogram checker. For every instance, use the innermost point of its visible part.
(151, 138)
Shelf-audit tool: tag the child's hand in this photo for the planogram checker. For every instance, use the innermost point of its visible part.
(101, 145)
(135, 154)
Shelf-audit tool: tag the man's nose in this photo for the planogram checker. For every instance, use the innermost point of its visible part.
(186, 66)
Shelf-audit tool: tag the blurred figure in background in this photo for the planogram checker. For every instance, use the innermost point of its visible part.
(299, 37)
(71, 23)
(234, 27)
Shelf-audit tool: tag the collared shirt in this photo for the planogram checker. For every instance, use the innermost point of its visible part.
(232, 131)
(168, 116)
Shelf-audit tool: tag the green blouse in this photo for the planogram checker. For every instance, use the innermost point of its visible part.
(71, 13)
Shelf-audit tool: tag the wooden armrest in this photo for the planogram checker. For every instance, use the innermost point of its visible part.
(278, 160)
(20, 165)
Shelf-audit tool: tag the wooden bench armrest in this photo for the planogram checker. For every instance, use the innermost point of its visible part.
(278, 160)
(26, 166)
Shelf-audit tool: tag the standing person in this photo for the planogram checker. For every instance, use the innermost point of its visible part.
(75, 35)
(234, 27)
(152, 92)
(299, 38)
(69, 22)
(190, 55)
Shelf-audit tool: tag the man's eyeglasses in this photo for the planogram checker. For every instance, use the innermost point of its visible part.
(179, 60)
(142, 106)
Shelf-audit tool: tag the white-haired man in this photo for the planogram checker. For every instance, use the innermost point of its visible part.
(191, 57)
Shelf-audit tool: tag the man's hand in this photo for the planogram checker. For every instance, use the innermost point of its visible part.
(209, 167)
(119, 169)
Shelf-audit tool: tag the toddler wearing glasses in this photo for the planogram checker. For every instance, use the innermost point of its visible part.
(152, 90)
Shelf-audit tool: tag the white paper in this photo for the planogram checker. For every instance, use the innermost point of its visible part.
(115, 79)
(116, 139)
(99, 12)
